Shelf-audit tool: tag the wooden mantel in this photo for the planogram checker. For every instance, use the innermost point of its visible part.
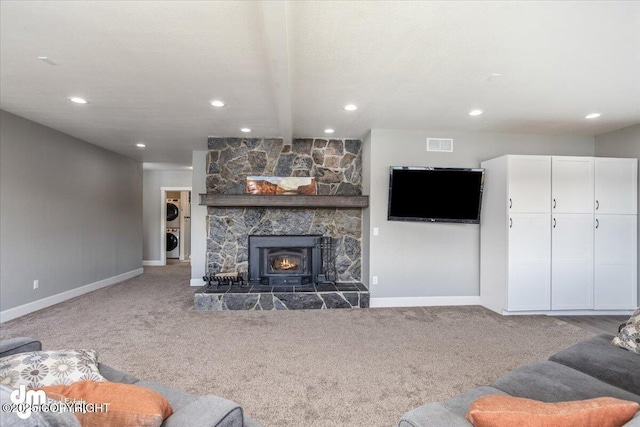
(282, 201)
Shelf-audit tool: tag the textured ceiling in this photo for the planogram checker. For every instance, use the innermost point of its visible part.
(150, 68)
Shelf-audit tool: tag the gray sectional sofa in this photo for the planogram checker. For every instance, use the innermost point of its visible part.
(188, 410)
(589, 369)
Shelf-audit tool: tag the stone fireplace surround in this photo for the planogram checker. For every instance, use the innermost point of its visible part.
(336, 164)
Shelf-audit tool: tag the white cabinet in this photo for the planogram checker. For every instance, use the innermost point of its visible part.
(572, 261)
(529, 183)
(559, 234)
(572, 184)
(616, 262)
(616, 189)
(529, 262)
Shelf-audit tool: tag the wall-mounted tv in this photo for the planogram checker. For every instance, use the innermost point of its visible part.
(435, 194)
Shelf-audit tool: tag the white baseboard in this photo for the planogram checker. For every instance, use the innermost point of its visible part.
(197, 282)
(423, 301)
(153, 263)
(24, 309)
(571, 313)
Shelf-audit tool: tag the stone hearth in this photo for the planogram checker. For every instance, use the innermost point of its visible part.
(260, 297)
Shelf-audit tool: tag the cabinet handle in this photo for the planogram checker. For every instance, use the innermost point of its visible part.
(510, 222)
(554, 223)
(554, 203)
(510, 203)
(597, 205)
(597, 223)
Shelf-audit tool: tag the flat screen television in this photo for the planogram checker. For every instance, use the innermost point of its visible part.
(435, 194)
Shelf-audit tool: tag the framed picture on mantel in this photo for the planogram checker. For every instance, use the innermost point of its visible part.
(281, 185)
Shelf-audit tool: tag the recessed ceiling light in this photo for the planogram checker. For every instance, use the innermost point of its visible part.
(77, 100)
(475, 112)
(245, 130)
(140, 145)
(350, 107)
(217, 103)
(328, 131)
(592, 116)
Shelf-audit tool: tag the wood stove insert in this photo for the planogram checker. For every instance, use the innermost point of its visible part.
(287, 261)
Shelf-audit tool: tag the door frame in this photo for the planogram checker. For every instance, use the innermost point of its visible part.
(163, 220)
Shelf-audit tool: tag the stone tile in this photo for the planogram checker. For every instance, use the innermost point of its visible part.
(362, 287)
(278, 305)
(266, 301)
(347, 287)
(261, 289)
(352, 145)
(306, 301)
(326, 287)
(334, 300)
(364, 300)
(208, 302)
(302, 145)
(353, 298)
(335, 147)
(216, 143)
(240, 301)
(320, 143)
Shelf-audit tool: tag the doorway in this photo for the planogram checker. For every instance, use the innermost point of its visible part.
(175, 221)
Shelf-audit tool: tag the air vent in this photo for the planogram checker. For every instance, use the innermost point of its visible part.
(440, 144)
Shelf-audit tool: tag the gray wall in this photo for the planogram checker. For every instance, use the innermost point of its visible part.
(153, 180)
(366, 213)
(71, 212)
(621, 143)
(414, 259)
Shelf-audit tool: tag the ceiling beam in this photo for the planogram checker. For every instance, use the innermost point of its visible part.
(275, 22)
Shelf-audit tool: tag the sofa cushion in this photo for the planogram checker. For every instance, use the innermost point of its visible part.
(19, 345)
(207, 411)
(178, 399)
(450, 412)
(36, 419)
(460, 404)
(552, 382)
(119, 405)
(502, 410)
(629, 335)
(602, 360)
(116, 376)
(431, 415)
(43, 368)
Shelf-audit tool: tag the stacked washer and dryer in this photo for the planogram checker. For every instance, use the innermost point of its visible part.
(173, 228)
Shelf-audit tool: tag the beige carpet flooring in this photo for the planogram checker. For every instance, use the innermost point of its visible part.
(357, 367)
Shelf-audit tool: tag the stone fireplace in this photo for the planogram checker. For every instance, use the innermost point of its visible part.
(336, 164)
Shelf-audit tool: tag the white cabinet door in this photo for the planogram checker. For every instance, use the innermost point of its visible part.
(529, 180)
(572, 184)
(572, 261)
(616, 262)
(529, 269)
(616, 185)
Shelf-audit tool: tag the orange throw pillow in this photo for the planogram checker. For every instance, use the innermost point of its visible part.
(501, 411)
(114, 404)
